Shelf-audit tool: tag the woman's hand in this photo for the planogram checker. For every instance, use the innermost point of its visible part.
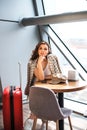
(41, 59)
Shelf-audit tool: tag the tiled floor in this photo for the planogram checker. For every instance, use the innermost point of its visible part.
(78, 122)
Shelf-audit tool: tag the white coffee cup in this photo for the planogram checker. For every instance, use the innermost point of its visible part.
(73, 75)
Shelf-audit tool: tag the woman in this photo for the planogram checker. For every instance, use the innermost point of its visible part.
(42, 65)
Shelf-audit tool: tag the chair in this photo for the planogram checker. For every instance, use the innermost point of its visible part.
(44, 105)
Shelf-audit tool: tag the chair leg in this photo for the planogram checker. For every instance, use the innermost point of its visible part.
(46, 125)
(70, 123)
(34, 124)
(57, 125)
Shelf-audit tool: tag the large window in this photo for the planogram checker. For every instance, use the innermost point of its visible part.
(74, 36)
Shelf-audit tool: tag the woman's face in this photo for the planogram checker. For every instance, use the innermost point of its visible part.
(43, 50)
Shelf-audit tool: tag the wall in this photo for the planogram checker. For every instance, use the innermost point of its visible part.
(16, 41)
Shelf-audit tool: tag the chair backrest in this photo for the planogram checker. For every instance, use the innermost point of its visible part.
(44, 104)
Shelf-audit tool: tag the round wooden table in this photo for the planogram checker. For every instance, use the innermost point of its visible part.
(69, 86)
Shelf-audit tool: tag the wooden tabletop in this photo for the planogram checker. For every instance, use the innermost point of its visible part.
(69, 86)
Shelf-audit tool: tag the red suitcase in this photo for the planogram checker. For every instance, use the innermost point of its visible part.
(12, 108)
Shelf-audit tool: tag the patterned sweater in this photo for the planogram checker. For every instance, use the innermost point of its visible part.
(53, 64)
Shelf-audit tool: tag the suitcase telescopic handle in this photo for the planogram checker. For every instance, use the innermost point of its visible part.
(20, 75)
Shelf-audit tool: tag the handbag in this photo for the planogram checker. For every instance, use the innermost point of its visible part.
(59, 78)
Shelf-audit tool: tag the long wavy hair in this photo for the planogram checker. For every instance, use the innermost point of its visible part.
(35, 51)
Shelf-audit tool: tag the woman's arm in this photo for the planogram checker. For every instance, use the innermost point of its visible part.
(39, 73)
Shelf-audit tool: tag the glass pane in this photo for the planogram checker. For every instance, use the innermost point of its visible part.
(62, 6)
(74, 35)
